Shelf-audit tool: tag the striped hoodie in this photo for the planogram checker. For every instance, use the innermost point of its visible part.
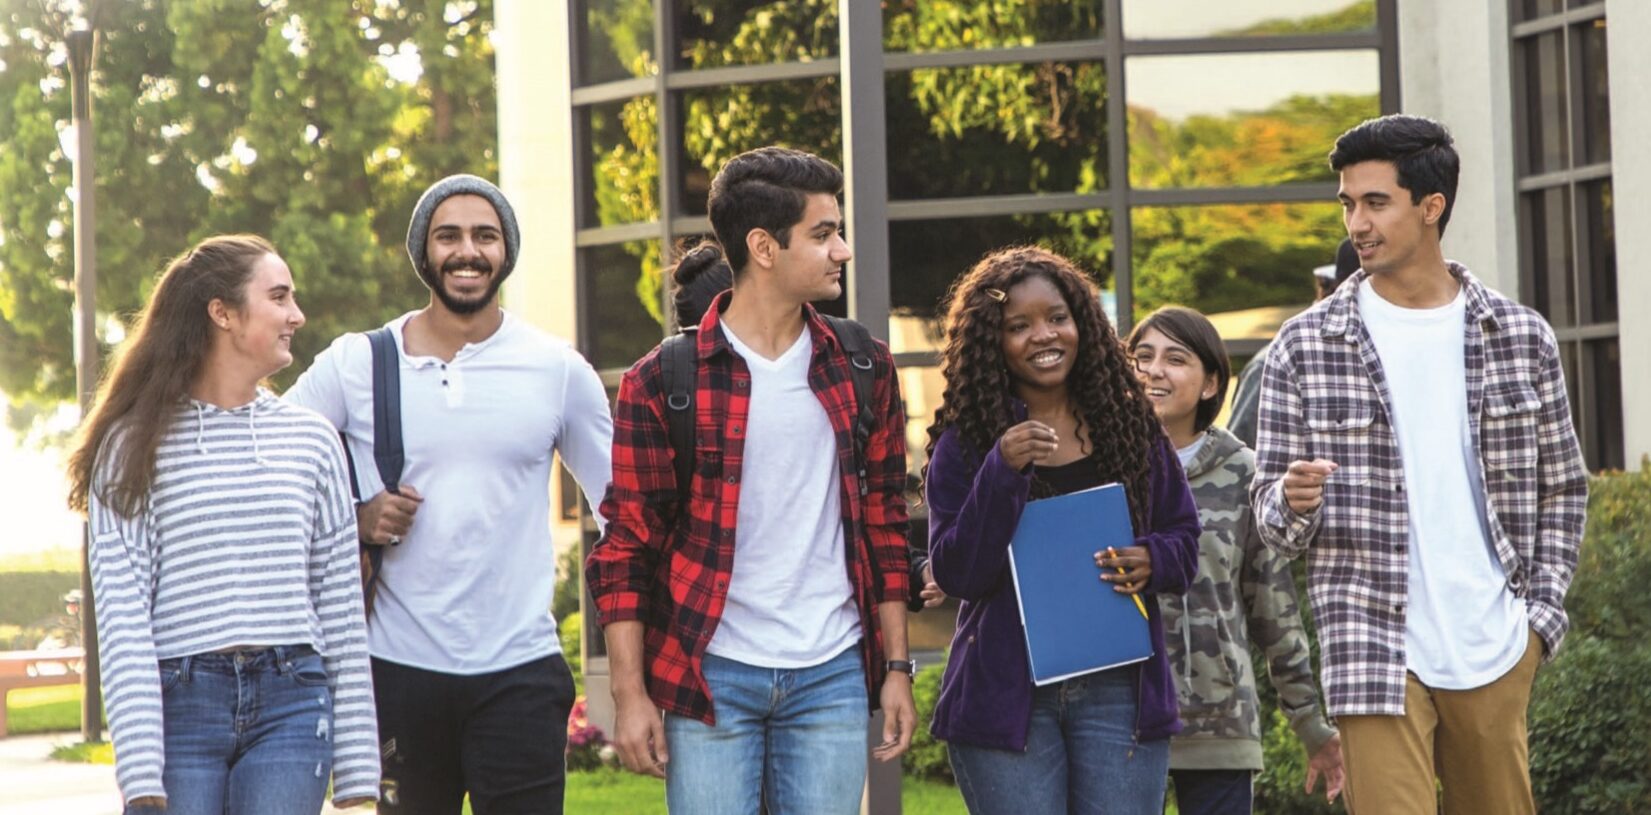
(249, 540)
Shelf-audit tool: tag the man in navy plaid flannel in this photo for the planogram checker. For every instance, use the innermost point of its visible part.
(1415, 441)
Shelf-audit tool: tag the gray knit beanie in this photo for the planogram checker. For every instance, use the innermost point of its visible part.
(418, 232)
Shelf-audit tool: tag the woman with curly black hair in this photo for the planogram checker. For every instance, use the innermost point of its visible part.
(1040, 401)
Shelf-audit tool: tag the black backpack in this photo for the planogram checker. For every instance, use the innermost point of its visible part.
(679, 367)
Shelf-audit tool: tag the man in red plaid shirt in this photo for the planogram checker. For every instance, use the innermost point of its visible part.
(1416, 443)
(763, 613)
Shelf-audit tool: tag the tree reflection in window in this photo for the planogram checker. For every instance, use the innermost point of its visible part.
(718, 33)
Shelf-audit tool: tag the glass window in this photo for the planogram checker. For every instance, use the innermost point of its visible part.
(720, 123)
(718, 33)
(1244, 119)
(1603, 443)
(1596, 92)
(1532, 9)
(1547, 122)
(926, 256)
(1549, 254)
(620, 168)
(1175, 19)
(1248, 266)
(933, 25)
(623, 309)
(997, 129)
(1599, 237)
(618, 40)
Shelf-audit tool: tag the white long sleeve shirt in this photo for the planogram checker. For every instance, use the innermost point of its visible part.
(469, 589)
(249, 540)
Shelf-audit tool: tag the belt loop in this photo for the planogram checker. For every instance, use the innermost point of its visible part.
(283, 659)
(186, 668)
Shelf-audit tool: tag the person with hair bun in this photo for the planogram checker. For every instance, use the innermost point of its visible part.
(1040, 400)
(223, 556)
(698, 277)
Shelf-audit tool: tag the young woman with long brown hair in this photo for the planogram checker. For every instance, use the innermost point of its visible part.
(1041, 400)
(223, 556)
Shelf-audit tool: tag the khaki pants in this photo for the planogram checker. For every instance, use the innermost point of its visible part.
(1472, 741)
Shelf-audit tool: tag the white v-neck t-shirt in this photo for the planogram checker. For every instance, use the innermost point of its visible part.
(1464, 628)
(790, 604)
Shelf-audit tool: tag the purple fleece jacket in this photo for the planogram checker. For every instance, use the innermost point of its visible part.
(974, 505)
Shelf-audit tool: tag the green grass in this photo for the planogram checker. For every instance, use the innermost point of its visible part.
(48, 560)
(100, 752)
(43, 710)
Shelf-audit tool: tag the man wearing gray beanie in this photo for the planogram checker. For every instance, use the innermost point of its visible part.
(472, 691)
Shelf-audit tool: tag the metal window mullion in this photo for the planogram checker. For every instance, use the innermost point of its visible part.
(1590, 332)
(666, 108)
(614, 91)
(1387, 56)
(1559, 178)
(865, 162)
(751, 74)
(619, 233)
(1117, 152)
(1554, 22)
(986, 206)
(1294, 193)
(1073, 51)
(1271, 44)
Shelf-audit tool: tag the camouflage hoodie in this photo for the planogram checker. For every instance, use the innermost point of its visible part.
(1244, 594)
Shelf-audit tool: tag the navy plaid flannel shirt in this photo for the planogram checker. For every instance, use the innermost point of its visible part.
(1324, 395)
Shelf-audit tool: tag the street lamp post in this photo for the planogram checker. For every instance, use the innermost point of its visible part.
(82, 42)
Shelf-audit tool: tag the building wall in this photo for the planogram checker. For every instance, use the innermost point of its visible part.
(1628, 28)
(1453, 67)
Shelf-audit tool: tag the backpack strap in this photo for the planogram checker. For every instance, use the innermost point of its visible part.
(388, 453)
(679, 366)
(857, 346)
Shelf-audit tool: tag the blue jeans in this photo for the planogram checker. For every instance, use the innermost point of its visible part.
(1081, 756)
(1214, 792)
(246, 732)
(793, 738)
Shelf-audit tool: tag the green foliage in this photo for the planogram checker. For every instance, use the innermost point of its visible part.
(569, 568)
(1590, 721)
(569, 630)
(1590, 715)
(1608, 597)
(279, 118)
(1278, 788)
(927, 757)
(28, 598)
(1357, 16)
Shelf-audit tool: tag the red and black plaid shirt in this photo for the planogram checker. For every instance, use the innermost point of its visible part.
(670, 569)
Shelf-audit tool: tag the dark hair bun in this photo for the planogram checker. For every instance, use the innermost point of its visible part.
(696, 262)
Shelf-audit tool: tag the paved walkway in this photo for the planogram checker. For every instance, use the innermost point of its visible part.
(33, 784)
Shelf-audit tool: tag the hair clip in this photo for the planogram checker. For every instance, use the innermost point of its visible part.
(997, 294)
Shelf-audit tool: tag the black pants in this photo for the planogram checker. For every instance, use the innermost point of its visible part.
(498, 736)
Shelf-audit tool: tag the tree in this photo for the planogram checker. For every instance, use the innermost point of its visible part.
(282, 118)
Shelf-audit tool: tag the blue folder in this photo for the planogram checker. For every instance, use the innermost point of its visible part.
(1075, 622)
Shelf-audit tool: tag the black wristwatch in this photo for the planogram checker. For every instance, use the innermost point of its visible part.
(905, 666)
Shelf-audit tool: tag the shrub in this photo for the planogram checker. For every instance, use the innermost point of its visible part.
(1591, 729)
(1278, 789)
(1590, 713)
(927, 757)
(569, 582)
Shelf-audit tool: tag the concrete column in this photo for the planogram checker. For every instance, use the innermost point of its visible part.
(1628, 24)
(536, 167)
(1454, 67)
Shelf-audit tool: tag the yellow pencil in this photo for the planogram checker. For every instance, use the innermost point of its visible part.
(1136, 597)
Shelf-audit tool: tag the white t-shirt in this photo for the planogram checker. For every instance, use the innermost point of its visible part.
(468, 591)
(790, 604)
(1464, 628)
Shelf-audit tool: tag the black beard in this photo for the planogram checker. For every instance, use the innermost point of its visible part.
(464, 307)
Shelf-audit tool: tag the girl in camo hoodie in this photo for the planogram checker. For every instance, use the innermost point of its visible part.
(1244, 593)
